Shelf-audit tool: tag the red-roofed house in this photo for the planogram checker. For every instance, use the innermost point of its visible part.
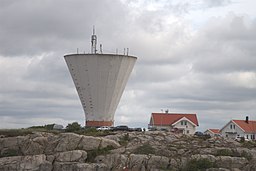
(186, 123)
(212, 132)
(240, 128)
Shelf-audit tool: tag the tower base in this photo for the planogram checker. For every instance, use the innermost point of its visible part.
(98, 123)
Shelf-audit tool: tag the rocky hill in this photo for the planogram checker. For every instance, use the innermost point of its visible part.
(146, 151)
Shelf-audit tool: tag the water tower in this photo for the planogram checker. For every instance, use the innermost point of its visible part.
(100, 80)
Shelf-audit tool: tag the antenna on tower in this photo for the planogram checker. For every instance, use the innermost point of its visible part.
(101, 48)
(94, 42)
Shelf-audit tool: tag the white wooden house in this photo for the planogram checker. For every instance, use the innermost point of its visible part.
(185, 123)
(240, 128)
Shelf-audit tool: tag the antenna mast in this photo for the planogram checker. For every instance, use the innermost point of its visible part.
(94, 42)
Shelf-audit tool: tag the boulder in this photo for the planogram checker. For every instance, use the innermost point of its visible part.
(106, 142)
(114, 161)
(89, 143)
(157, 162)
(67, 142)
(138, 161)
(231, 162)
(35, 162)
(71, 156)
(217, 169)
(67, 166)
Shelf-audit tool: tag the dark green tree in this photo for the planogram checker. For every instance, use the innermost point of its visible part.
(75, 126)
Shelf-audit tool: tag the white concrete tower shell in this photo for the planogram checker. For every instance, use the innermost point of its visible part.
(100, 80)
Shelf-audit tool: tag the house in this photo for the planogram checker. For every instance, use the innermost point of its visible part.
(185, 123)
(212, 132)
(240, 128)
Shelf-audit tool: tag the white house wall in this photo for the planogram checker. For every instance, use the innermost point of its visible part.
(100, 80)
(189, 127)
(232, 133)
(209, 133)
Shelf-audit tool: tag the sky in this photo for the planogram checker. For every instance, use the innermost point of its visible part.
(193, 57)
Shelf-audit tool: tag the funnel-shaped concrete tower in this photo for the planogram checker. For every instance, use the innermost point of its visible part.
(100, 80)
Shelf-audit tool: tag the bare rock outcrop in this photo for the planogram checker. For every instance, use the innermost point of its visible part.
(133, 151)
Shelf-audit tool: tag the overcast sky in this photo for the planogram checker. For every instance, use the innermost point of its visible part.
(193, 57)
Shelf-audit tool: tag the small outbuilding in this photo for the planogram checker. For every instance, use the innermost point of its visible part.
(212, 132)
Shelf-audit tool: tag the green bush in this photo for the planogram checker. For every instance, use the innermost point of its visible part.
(249, 144)
(199, 165)
(246, 155)
(145, 149)
(91, 154)
(93, 132)
(75, 126)
(224, 152)
(14, 132)
(234, 153)
(124, 140)
(9, 153)
(47, 127)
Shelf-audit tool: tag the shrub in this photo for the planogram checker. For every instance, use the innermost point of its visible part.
(145, 149)
(9, 153)
(199, 165)
(93, 132)
(91, 154)
(75, 126)
(124, 140)
(224, 152)
(234, 153)
(14, 132)
(246, 155)
(249, 144)
(45, 127)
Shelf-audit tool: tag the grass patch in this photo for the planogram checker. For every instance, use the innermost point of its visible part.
(124, 140)
(91, 154)
(246, 155)
(233, 153)
(94, 132)
(226, 152)
(249, 144)
(199, 165)
(9, 153)
(145, 149)
(15, 132)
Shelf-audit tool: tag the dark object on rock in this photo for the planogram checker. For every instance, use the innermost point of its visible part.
(121, 128)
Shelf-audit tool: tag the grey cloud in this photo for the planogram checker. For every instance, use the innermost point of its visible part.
(209, 71)
(30, 28)
(217, 3)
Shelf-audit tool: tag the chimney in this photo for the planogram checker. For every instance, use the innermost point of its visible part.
(247, 119)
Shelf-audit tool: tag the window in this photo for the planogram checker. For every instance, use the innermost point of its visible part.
(251, 137)
(230, 126)
(234, 127)
(247, 136)
(185, 122)
(187, 131)
(181, 123)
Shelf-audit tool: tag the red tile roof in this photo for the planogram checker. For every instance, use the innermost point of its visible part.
(249, 127)
(215, 131)
(170, 118)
